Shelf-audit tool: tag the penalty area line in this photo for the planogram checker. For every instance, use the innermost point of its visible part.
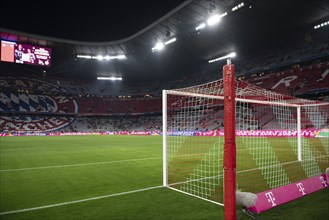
(78, 201)
(79, 164)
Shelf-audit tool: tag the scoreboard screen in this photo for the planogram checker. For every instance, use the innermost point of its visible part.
(25, 54)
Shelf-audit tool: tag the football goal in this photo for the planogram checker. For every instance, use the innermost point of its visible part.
(228, 135)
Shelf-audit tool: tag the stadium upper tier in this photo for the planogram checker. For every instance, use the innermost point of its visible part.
(308, 49)
(28, 104)
(28, 94)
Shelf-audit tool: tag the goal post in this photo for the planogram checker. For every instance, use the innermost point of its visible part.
(299, 134)
(229, 143)
(164, 138)
(211, 151)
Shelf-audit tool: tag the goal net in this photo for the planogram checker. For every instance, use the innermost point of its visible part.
(279, 139)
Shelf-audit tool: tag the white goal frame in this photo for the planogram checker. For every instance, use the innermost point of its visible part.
(165, 94)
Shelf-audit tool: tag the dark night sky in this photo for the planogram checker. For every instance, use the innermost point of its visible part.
(265, 26)
(84, 20)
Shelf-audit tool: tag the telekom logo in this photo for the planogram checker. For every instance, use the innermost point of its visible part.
(324, 183)
(301, 188)
(270, 198)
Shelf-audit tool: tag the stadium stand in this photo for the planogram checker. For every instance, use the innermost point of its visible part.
(300, 70)
(32, 124)
(296, 81)
(114, 123)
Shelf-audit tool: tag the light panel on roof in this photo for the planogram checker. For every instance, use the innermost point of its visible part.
(230, 55)
(100, 57)
(160, 45)
(170, 41)
(112, 78)
(213, 19)
(321, 25)
(200, 26)
(238, 6)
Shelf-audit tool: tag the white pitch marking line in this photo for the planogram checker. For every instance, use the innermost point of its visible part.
(242, 171)
(86, 164)
(69, 147)
(79, 164)
(78, 201)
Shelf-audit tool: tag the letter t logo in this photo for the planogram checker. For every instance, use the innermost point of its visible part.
(301, 188)
(324, 183)
(270, 198)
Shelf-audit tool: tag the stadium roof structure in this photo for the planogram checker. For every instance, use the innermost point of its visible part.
(253, 27)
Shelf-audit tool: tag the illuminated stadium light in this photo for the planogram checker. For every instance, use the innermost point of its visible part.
(321, 25)
(224, 14)
(84, 56)
(120, 57)
(213, 20)
(112, 78)
(158, 46)
(100, 57)
(231, 55)
(238, 6)
(170, 41)
(200, 26)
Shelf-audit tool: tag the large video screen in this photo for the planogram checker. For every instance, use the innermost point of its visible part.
(25, 54)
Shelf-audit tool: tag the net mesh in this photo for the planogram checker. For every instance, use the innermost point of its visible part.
(266, 139)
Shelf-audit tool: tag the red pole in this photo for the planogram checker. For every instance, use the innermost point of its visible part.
(229, 144)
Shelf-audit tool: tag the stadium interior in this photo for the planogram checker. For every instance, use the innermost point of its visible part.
(101, 68)
(282, 52)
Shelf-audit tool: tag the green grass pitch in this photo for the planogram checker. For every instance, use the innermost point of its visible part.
(51, 171)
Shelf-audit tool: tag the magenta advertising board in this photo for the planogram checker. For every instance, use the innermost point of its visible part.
(275, 197)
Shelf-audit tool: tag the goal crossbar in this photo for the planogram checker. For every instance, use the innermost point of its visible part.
(190, 94)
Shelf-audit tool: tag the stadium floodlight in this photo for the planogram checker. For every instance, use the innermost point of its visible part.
(100, 57)
(112, 78)
(84, 56)
(238, 6)
(321, 25)
(170, 41)
(230, 55)
(200, 26)
(158, 46)
(120, 57)
(224, 14)
(213, 20)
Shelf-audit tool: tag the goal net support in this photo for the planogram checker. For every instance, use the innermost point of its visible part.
(273, 140)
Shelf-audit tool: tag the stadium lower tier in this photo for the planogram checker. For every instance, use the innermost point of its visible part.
(41, 123)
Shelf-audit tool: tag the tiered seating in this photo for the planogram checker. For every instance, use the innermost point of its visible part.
(119, 106)
(301, 80)
(119, 123)
(31, 97)
(30, 103)
(40, 123)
